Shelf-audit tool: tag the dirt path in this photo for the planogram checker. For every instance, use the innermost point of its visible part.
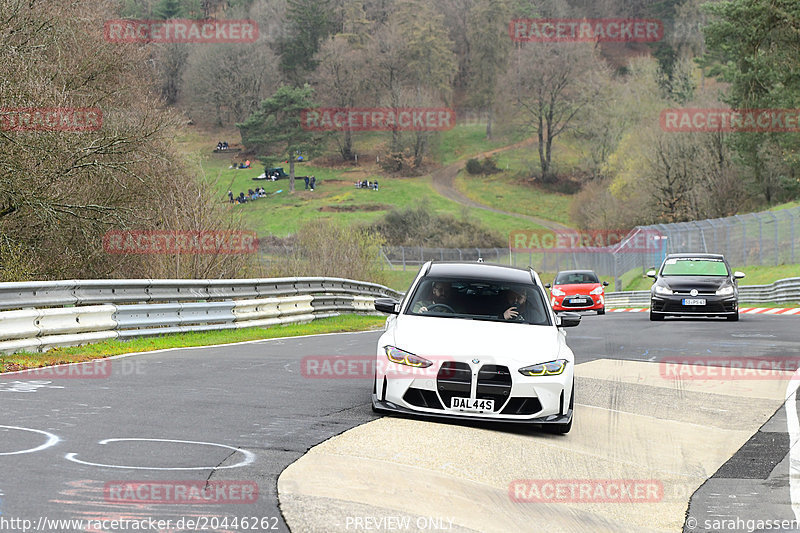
(444, 183)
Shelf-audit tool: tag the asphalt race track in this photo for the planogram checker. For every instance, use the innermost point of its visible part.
(244, 414)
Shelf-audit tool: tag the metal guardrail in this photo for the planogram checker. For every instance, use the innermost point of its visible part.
(781, 291)
(40, 315)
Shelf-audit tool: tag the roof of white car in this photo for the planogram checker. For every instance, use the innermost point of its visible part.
(484, 271)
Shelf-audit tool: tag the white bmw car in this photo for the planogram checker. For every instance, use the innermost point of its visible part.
(477, 341)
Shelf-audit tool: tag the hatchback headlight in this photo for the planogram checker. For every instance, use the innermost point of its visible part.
(725, 291)
(557, 292)
(553, 368)
(660, 289)
(598, 290)
(401, 357)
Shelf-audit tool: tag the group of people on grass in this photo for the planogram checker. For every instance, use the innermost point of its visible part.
(246, 164)
(310, 182)
(367, 184)
(222, 145)
(250, 196)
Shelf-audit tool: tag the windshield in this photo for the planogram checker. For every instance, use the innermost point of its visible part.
(688, 266)
(479, 300)
(570, 278)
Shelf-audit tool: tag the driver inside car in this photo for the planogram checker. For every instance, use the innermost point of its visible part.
(514, 303)
(440, 296)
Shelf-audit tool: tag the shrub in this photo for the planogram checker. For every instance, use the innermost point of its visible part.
(421, 226)
(324, 248)
(485, 167)
(474, 167)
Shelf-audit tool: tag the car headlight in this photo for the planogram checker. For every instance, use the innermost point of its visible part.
(660, 289)
(553, 368)
(598, 290)
(557, 292)
(725, 291)
(401, 357)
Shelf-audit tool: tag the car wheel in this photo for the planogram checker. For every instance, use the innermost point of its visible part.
(655, 317)
(734, 317)
(601, 311)
(563, 428)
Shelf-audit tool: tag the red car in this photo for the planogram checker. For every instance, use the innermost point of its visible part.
(577, 290)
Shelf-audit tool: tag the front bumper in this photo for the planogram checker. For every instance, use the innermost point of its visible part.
(594, 303)
(389, 407)
(517, 398)
(715, 305)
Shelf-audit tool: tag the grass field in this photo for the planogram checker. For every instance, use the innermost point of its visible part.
(504, 191)
(336, 197)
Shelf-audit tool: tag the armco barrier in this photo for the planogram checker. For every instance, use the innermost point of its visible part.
(36, 316)
(781, 291)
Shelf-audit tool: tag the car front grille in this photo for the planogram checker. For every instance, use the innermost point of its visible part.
(567, 301)
(710, 307)
(454, 380)
(494, 383)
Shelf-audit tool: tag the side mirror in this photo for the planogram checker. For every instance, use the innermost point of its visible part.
(547, 285)
(568, 320)
(738, 275)
(387, 305)
(605, 284)
(651, 273)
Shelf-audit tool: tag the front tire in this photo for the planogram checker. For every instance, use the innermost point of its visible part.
(601, 311)
(655, 317)
(734, 317)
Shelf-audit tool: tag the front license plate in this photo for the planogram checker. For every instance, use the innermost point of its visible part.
(579, 301)
(694, 301)
(468, 404)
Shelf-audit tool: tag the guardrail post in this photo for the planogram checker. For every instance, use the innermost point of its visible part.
(791, 215)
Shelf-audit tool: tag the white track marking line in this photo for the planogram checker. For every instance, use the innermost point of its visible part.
(793, 428)
(52, 440)
(249, 457)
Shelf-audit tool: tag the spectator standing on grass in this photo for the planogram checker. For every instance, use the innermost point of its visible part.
(230, 195)
(375, 185)
(313, 181)
(305, 178)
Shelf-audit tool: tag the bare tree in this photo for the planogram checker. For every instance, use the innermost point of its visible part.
(227, 82)
(62, 191)
(343, 80)
(549, 85)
